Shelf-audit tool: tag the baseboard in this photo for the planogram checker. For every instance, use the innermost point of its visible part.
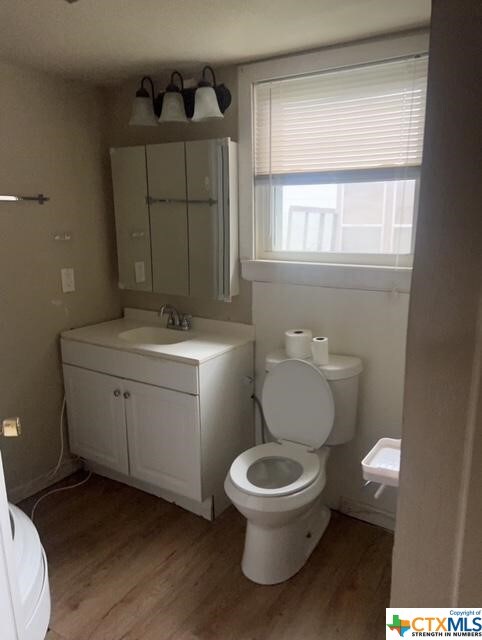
(367, 513)
(30, 488)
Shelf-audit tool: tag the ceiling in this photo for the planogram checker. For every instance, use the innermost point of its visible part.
(105, 41)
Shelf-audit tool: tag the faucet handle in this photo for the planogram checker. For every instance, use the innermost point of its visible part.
(169, 310)
(186, 321)
(160, 313)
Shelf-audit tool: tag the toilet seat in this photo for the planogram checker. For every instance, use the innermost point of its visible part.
(298, 403)
(292, 460)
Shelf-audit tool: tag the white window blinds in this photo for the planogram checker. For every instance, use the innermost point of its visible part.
(358, 118)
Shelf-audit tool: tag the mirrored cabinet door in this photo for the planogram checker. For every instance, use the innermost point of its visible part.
(203, 213)
(132, 217)
(166, 175)
(211, 172)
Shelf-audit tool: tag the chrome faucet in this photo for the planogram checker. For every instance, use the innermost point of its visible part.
(175, 320)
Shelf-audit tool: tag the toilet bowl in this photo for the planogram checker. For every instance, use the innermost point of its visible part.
(277, 486)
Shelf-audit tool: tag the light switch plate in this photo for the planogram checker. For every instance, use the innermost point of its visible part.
(140, 271)
(68, 279)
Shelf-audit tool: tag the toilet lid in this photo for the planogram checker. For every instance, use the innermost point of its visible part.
(298, 403)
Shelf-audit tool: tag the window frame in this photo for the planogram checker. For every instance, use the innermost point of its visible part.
(331, 58)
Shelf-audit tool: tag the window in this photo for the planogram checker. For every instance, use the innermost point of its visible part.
(336, 160)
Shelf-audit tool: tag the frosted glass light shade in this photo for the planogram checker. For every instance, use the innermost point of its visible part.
(206, 105)
(142, 113)
(173, 108)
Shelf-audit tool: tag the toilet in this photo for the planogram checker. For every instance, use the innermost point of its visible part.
(277, 486)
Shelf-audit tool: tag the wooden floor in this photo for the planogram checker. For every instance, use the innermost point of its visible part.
(125, 565)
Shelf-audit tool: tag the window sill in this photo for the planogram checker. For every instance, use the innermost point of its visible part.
(333, 276)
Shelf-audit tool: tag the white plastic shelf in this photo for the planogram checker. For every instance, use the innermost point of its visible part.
(382, 463)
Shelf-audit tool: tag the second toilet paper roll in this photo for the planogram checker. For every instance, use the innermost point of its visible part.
(298, 343)
(319, 350)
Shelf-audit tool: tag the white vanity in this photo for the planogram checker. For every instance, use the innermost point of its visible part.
(165, 411)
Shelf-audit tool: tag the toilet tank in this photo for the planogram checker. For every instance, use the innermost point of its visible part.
(342, 374)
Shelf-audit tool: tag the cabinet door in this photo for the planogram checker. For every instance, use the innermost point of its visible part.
(212, 214)
(205, 230)
(166, 172)
(97, 427)
(230, 220)
(164, 438)
(132, 218)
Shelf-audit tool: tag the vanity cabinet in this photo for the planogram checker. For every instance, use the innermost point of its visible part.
(176, 218)
(171, 427)
(148, 432)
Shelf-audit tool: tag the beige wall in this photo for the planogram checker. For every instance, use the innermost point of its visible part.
(118, 133)
(368, 324)
(50, 142)
(438, 542)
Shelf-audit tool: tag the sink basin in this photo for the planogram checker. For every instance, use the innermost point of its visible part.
(154, 336)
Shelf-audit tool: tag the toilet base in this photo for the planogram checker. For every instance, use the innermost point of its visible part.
(274, 554)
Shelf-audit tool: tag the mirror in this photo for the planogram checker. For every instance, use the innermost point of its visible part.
(176, 218)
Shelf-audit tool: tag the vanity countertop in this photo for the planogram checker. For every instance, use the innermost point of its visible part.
(207, 339)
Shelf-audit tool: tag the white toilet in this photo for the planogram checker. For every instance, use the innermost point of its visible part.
(277, 486)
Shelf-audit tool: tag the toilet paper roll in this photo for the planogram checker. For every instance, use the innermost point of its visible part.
(297, 343)
(319, 350)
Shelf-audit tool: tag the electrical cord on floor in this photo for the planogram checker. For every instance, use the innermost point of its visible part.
(54, 471)
(264, 426)
(49, 493)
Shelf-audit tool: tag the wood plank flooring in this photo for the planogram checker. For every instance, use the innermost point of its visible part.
(125, 565)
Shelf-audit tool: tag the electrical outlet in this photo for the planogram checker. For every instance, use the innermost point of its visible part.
(68, 279)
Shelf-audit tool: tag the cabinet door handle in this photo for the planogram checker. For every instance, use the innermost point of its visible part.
(117, 393)
(127, 395)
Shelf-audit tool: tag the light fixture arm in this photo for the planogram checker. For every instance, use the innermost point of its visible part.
(211, 70)
(144, 106)
(143, 89)
(172, 86)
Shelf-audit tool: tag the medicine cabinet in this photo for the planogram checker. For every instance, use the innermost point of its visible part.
(176, 218)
